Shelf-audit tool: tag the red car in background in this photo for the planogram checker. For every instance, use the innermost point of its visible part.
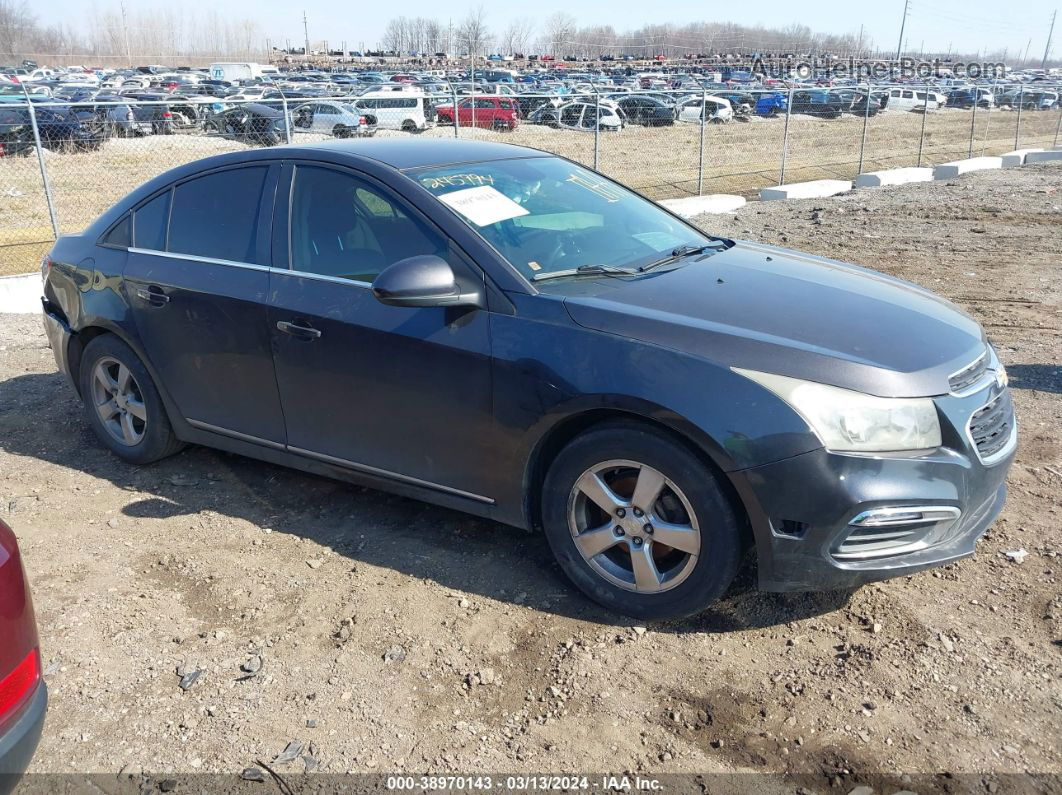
(490, 113)
(23, 696)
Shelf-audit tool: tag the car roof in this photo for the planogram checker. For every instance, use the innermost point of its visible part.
(400, 153)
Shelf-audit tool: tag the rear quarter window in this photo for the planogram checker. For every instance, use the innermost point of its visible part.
(150, 222)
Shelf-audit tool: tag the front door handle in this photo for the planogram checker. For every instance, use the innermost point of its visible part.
(153, 295)
(295, 330)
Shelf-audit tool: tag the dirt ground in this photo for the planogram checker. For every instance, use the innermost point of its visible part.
(386, 635)
(661, 162)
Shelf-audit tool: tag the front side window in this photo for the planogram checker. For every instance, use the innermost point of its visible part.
(342, 226)
(216, 216)
(545, 214)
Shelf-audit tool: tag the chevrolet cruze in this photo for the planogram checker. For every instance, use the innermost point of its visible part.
(502, 331)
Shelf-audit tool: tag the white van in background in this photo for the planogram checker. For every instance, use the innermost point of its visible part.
(912, 99)
(410, 111)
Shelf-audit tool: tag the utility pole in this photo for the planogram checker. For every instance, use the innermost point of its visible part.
(125, 33)
(1025, 57)
(859, 43)
(1050, 33)
(306, 35)
(903, 23)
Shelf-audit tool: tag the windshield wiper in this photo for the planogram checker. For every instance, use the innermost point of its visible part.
(585, 270)
(678, 253)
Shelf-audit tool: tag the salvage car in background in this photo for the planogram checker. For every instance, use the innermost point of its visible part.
(60, 129)
(647, 110)
(339, 119)
(529, 341)
(705, 110)
(601, 115)
(489, 113)
(23, 694)
(249, 123)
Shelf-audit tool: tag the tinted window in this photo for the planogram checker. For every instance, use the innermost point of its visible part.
(342, 226)
(217, 215)
(149, 223)
(119, 235)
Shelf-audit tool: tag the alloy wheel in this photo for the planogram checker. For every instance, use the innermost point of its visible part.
(634, 526)
(119, 402)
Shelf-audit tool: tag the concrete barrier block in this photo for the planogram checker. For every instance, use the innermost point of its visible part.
(21, 294)
(1017, 157)
(815, 189)
(1043, 157)
(893, 176)
(697, 205)
(957, 167)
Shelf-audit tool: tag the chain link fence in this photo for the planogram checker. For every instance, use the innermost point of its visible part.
(62, 163)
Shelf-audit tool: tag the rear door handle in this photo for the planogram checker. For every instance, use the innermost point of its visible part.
(295, 330)
(153, 295)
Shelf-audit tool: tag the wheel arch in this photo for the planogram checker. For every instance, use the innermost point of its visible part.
(80, 339)
(561, 433)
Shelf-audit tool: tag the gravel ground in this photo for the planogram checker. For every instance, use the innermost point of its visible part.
(387, 635)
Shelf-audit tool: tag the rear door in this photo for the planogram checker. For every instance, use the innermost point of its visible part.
(402, 391)
(197, 279)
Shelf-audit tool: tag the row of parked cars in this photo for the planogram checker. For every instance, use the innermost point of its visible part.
(79, 116)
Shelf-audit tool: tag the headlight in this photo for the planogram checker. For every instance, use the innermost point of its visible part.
(853, 422)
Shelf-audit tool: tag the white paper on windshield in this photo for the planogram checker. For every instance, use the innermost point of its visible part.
(483, 206)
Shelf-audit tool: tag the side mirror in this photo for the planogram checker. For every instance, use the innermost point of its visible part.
(425, 280)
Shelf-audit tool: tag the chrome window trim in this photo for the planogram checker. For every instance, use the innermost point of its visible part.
(321, 277)
(195, 258)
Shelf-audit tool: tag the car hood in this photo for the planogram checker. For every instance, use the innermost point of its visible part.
(780, 311)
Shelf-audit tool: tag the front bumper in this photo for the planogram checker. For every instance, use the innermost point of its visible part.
(804, 509)
(19, 741)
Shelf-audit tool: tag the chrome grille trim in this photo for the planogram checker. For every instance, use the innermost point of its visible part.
(992, 430)
(966, 380)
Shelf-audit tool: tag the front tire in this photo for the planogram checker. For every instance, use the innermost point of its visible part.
(122, 404)
(671, 556)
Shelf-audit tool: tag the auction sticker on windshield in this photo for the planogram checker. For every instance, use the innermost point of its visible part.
(483, 206)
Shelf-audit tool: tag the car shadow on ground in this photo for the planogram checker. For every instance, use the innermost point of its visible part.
(1041, 377)
(41, 417)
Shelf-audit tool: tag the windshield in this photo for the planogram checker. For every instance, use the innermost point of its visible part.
(544, 215)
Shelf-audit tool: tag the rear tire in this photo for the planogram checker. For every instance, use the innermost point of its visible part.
(637, 572)
(122, 404)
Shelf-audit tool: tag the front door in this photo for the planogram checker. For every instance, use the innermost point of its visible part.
(196, 279)
(400, 391)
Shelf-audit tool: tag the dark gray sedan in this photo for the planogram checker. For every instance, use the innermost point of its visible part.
(503, 331)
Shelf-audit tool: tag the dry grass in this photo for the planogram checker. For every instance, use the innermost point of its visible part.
(659, 162)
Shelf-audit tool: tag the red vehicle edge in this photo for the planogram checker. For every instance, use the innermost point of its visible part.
(23, 695)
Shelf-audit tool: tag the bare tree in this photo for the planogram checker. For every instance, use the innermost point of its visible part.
(516, 36)
(473, 36)
(560, 31)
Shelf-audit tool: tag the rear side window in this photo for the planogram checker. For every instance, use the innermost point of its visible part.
(119, 235)
(216, 216)
(150, 221)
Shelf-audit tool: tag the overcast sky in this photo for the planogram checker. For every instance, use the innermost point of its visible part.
(970, 25)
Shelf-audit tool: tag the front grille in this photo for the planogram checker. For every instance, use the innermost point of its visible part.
(969, 375)
(991, 425)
